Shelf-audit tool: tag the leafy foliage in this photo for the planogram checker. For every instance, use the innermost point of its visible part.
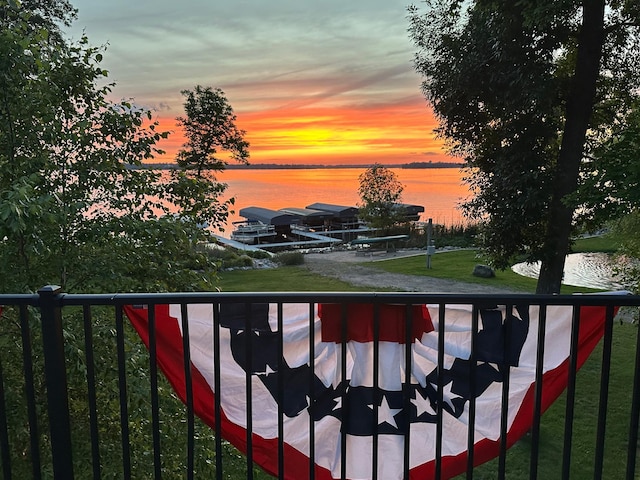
(210, 129)
(524, 94)
(209, 126)
(626, 229)
(380, 193)
(289, 258)
(79, 209)
(458, 235)
(611, 177)
(231, 258)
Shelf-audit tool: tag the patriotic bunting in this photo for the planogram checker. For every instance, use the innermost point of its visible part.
(313, 391)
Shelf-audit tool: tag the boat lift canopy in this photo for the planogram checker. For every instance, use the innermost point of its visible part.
(410, 212)
(338, 211)
(268, 217)
(410, 209)
(308, 216)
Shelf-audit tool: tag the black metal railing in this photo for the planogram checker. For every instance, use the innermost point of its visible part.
(70, 366)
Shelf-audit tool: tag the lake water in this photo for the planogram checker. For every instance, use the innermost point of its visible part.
(593, 270)
(438, 190)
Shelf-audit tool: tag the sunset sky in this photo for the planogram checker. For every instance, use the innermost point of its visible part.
(323, 81)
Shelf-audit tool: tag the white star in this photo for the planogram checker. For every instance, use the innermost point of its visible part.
(447, 395)
(386, 413)
(338, 406)
(423, 404)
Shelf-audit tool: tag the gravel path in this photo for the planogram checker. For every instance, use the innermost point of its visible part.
(348, 267)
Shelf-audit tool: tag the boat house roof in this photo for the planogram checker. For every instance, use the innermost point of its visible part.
(411, 209)
(269, 217)
(308, 214)
(339, 211)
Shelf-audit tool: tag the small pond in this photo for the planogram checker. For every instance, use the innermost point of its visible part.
(593, 270)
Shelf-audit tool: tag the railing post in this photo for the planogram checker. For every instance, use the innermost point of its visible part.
(56, 381)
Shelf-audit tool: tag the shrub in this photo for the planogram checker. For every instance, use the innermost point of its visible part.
(227, 258)
(460, 235)
(245, 261)
(289, 258)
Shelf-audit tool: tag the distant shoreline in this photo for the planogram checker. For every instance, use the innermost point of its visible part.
(296, 166)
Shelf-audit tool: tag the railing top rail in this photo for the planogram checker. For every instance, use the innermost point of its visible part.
(65, 299)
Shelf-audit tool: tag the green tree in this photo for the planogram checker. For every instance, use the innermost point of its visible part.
(610, 186)
(625, 230)
(525, 92)
(611, 190)
(79, 209)
(212, 139)
(380, 193)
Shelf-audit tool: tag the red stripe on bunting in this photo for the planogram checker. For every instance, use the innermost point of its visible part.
(360, 320)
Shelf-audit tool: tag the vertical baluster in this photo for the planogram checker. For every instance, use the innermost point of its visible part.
(91, 390)
(571, 394)
(537, 408)
(248, 335)
(504, 407)
(472, 393)
(407, 387)
(56, 381)
(280, 392)
(217, 408)
(377, 394)
(634, 416)
(27, 362)
(155, 403)
(604, 392)
(184, 313)
(345, 393)
(439, 395)
(312, 386)
(122, 387)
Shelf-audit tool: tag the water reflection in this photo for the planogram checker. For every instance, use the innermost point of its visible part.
(592, 270)
(439, 190)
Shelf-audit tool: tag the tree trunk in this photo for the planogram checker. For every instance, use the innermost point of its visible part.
(578, 111)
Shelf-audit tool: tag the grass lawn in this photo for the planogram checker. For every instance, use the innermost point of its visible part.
(453, 265)
(458, 265)
(602, 243)
(283, 279)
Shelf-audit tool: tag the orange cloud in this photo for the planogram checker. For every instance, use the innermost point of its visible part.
(391, 133)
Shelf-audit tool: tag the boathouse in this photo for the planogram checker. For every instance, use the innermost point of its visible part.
(310, 217)
(343, 217)
(411, 213)
(279, 219)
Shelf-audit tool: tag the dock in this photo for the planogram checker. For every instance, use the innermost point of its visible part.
(314, 240)
(238, 245)
(316, 225)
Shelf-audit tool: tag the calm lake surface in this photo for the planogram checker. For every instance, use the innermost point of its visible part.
(438, 190)
(593, 270)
